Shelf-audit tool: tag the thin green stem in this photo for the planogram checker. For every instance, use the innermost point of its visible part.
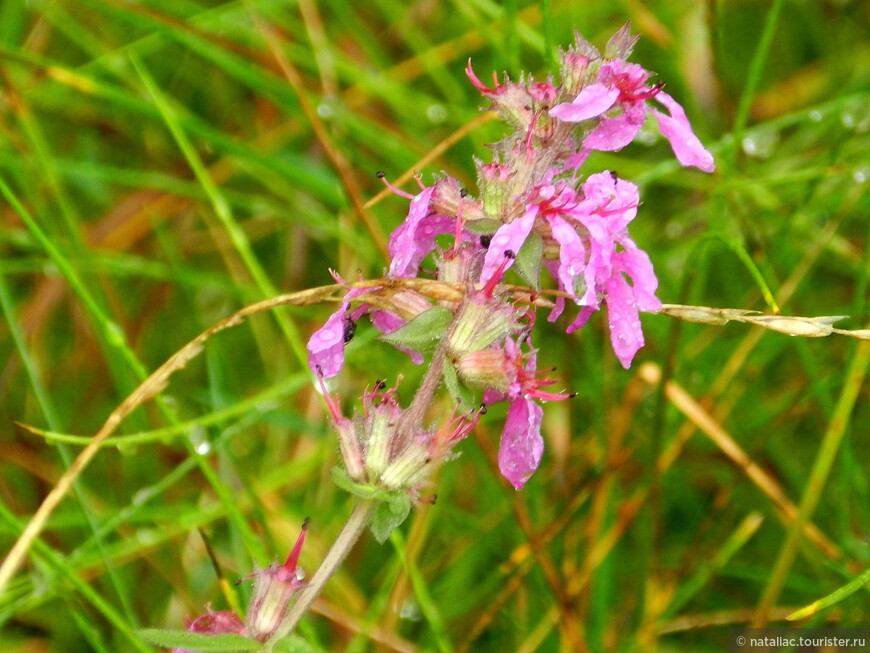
(816, 483)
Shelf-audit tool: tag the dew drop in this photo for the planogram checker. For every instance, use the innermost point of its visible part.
(816, 115)
(436, 113)
(760, 145)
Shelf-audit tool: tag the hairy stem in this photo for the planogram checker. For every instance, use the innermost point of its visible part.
(349, 535)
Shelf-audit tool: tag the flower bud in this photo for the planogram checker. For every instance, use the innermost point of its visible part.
(274, 588)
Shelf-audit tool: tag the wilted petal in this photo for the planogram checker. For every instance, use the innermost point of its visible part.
(676, 128)
(592, 101)
(214, 623)
(521, 443)
(506, 242)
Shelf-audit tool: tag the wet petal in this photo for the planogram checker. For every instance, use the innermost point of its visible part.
(572, 258)
(622, 316)
(676, 128)
(326, 345)
(506, 242)
(521, 443)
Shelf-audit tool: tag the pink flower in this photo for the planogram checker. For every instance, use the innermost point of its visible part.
(414, 239)
(521, 444)
(621, 87)
(326, 345)
(214, 623)
(606, 259)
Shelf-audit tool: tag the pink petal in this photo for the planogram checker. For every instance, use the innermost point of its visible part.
(636, 264)
(676, 128)
(521, 443)
(615, 133)
(326, 345)
(572, 257)
(412, 240)
(622, 316)
(506, 243)
(592, 101)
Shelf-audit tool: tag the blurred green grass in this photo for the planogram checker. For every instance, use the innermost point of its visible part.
(162, 170)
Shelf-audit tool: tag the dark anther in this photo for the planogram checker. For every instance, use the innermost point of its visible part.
(613, 175)
(305, 523)
(349, 329)
(381, 174)
(483, 409)
(509, 253)
(319, 370)
(380, 385)
(572, 395)
(463, 192)
(485, 240)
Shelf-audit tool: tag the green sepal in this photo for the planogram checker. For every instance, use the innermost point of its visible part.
(361, 490)
(423, 332)
(389, 515)
(528, 263)
(460, 395)
(199, 641)
(482, 226)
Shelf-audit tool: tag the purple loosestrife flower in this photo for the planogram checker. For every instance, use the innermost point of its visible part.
(619, 100)
(512, 377)
(326, 345)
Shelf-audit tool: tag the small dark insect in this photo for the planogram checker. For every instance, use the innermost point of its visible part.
(463, 192)
(349, 329)
(485, 240)
(509, 253)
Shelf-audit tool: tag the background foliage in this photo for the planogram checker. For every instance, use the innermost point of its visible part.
(166, 162)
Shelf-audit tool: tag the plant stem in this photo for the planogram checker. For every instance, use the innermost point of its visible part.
(349, 535)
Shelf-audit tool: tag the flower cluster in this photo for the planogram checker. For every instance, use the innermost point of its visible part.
(534, 211)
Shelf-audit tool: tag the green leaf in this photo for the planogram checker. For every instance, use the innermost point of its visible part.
(389, 515)
(294, 644)
(423, 332)
(528, 263)
(199, 641)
